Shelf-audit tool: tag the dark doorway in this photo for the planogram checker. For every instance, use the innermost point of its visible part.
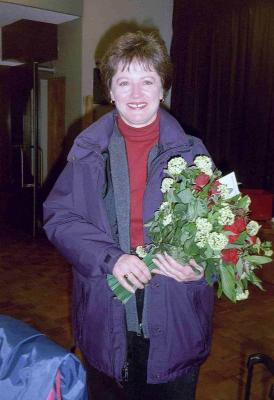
(16, 169)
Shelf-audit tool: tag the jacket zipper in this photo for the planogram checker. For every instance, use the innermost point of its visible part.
(125, 372)
(126, 363)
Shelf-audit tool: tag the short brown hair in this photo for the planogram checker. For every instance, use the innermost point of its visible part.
(147, 48)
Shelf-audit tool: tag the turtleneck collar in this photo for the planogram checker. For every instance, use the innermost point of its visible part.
(146, 133)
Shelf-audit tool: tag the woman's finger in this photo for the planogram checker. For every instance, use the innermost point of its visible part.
(170, 266)
(124, 282)
(161, 263)
(133, 280)
(179, 272)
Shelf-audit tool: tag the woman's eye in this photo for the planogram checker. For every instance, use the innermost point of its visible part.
(148, 82)
(123, 83)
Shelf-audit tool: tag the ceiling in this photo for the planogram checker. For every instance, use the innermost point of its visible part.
(13, 12)
(10, 13)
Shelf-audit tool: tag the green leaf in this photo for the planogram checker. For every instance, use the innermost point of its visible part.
(239, 266)
(191, 212)
(180, 209)
(185, 196)
(241, 202)
(184, 236)
(220, 289)
(228, 281)
(258, 259)
(172, 197)
(241, 239)
(202, 209)
(183, 183)
(255, 280)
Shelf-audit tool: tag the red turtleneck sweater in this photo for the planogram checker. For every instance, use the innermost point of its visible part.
(139, 142)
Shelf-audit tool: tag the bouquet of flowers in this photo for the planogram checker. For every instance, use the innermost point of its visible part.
(200, 218)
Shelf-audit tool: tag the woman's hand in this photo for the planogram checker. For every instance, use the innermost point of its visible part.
(131, 272)
(173, 269)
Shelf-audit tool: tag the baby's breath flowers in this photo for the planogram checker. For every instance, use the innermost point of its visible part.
(204, 227)
(204, 163)
(242, 295)
(199, 220)
(217, 241)
(166, 184)
(167, 219)
(226, 216)
(176, 165)
(252, 228)
(140, 251)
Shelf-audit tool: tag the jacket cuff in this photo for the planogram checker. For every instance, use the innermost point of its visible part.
(110, 258)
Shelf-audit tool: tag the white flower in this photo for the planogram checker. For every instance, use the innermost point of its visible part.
(167, 219)
(201, 240)
(140, 251)
(225, 216)
(203, 226)
(204, 163)
(224, 191)
(176, 165)
(203, 229)
(240, 295)
(247, 202)
(217, 241)
(164, 205)
(252, 228)
(166, 184)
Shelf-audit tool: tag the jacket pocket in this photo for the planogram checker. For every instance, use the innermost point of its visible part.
(201, 299)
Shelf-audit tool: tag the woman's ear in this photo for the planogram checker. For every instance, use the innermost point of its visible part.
(162, 94)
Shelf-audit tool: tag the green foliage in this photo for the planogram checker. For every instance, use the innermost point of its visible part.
(228, 281)
(197, 220)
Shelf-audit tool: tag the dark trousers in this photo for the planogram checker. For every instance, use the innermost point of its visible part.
(102, 387)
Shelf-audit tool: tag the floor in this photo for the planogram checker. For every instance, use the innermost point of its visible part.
(35, 287)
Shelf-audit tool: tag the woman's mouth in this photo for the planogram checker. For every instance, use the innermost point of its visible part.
(137, 106)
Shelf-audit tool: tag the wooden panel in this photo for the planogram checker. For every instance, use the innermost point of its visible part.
(56, 119)
(29, 41)
(5, 138)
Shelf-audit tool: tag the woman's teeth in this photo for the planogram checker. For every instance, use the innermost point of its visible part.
(137, 106)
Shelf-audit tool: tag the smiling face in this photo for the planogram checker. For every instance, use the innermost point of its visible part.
(137, 92)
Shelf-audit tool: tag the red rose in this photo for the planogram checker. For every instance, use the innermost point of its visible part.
(233, 238)
(201, 180)
(214, 188)
(230, 256)
(238, 226)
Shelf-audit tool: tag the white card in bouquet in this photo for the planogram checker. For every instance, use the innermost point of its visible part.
(231, 182)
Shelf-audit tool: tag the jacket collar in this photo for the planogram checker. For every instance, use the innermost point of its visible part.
(97, 136)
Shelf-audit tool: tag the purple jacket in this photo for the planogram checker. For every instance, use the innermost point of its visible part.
(77, 223)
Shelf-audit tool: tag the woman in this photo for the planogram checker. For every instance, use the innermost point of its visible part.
(152, 347)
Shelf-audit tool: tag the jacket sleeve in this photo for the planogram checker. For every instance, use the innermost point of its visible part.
(76, 220)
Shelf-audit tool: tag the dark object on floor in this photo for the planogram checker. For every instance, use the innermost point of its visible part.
(254, 359)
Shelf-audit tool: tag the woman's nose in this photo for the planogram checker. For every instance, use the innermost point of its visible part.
(136, 90)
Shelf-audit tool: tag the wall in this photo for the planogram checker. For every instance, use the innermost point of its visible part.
(101, 15)
(73, 7)
(69, 65)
